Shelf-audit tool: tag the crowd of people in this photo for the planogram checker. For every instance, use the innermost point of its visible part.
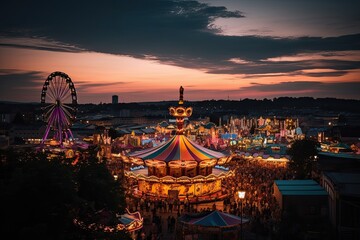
(255, 177)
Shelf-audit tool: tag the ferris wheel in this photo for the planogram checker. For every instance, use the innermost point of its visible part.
(59, 101)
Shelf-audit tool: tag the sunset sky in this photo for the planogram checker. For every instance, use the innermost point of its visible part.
(144, 50)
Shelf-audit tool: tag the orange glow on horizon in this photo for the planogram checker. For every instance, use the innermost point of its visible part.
(98, 76)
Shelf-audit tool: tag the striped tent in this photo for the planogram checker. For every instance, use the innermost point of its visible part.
(177, 148)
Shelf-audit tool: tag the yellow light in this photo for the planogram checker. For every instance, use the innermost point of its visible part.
(241, 194)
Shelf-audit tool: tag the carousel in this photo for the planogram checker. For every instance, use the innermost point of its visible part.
(178, 168)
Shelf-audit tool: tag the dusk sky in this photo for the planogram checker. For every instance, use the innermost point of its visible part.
(144, 50)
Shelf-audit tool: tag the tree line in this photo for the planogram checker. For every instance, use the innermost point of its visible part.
(40, 198)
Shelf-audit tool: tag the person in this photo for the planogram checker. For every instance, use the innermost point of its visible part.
(138, 236)
(160, 226)
(149, 237)
(169, 223)
(170, 206)
(143, 235)
(172, 223)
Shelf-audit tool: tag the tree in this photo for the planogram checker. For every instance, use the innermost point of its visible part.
(100, 194)
(37, 200)
(40, 198)
(98, 186)
(302, 154)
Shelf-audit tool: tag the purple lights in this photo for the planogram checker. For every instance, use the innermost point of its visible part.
(59, 105)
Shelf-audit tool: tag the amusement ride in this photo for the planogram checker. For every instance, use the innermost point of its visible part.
(59, 101)
(178, 168)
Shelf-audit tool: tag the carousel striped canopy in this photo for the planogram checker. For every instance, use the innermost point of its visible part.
(178, 148)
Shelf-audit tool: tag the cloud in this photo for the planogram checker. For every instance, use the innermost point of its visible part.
(26, 85)
(84, 85)
(15, 84)
(301, 88)
(179, 33)
(38, 44)
(18, 79)
(324, 74)
(283, 86)
(335, 55)
(317, 73)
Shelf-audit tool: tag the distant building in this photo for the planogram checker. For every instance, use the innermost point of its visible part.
(7, 117)
(115, 99)
(4, 142)
(344, 203)
(30, 134)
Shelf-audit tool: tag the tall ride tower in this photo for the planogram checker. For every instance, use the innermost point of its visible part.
(180, 113)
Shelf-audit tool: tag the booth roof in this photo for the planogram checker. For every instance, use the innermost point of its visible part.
(300, 187)
(213, 219)
(178, 147)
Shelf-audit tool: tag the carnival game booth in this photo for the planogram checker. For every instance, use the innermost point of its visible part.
(209, 225)
(178, 166)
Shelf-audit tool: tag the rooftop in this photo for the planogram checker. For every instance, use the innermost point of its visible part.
(347, 183)
(300, 187)
(178, 148)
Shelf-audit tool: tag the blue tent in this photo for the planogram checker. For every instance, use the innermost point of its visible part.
(213, 219)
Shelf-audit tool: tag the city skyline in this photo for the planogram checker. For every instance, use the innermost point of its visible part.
(145, 50)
